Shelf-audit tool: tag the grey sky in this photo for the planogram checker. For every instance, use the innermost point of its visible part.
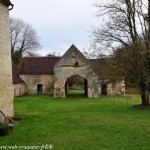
(59, 23)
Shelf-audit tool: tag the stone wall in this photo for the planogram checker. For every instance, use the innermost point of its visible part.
(6, 87)
(118, 88)
(113, 88)
(33, 80)
(19, 89)
(62, 74)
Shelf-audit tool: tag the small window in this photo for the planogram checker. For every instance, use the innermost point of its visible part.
(76, 64)
(39, 88)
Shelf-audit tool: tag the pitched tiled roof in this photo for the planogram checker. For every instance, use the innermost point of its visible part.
(38, 65)
(17, 79)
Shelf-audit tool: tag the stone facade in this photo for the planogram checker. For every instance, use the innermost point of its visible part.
(6, 87)
(118, 88)
(32, 82)
(19, 89)
(112, 87)
(74, 63)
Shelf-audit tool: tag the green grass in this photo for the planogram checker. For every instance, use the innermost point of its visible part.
(75, 92)
(108, 123)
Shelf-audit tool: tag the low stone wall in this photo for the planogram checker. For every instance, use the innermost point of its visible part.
(33, 80)
(113, 88)
(19, 89)
(118, 88)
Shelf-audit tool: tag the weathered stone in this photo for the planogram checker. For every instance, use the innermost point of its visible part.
(33, 80)
(113, 87)
(6, 88)
(74, 63)
(19, 89)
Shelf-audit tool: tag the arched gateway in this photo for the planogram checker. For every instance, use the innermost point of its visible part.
(73, 63)
(76, 86)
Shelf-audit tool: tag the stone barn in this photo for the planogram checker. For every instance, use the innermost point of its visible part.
(38, 74)
(51, 75)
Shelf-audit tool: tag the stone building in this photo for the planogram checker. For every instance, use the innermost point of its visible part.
(6, 87)
(19, 85)
(50, 75)
(38, 74)
(71, 64)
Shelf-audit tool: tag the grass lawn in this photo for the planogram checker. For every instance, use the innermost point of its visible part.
(108, 123)
(75, 93)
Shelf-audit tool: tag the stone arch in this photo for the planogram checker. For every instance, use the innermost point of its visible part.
(59, 85)
(78, 80)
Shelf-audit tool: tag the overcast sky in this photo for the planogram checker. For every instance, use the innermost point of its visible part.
(59, 23)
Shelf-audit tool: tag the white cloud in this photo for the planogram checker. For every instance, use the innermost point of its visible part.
(58, 22)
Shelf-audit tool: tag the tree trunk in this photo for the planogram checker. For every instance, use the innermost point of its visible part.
(144, 91)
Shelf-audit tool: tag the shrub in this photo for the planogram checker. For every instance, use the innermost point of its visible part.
(4, 129)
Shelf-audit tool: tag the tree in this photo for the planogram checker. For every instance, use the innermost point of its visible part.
(93, 52)
(53, 54)
(126, 25)
(24, 41)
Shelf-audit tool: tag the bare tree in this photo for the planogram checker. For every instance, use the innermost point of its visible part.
(93, 52)
(126, 24)
(24, 40)
(53, 54)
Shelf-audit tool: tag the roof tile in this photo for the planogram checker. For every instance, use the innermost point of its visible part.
(38, 65)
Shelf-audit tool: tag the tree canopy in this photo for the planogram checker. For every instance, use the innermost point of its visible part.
(125, 33)
(24, 40)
